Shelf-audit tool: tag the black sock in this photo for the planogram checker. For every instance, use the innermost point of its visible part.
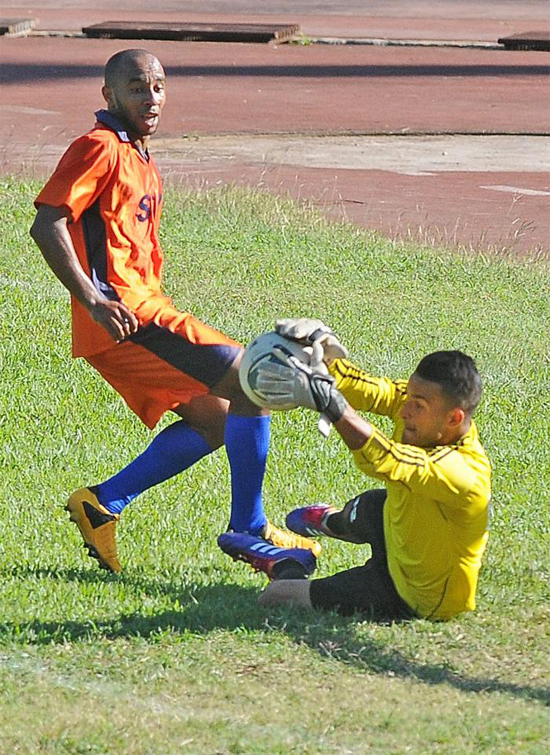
(337, 523)
(288, 569)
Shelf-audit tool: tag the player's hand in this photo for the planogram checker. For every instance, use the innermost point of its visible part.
(309, 331)
(115, 317)
(294, 382)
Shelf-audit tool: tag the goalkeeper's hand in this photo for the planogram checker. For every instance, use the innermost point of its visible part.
(294, 382)
(308, 331)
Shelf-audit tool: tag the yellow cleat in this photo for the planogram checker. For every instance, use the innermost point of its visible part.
(283, 539)
(97, 526)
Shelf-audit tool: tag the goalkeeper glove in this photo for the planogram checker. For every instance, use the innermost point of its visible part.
(308, 332)
(290, 381)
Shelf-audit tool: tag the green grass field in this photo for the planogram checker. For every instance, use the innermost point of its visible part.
(175, 656)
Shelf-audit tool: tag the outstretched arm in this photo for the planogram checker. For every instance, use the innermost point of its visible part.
(353, 429)
(52, 236)
(290, 381)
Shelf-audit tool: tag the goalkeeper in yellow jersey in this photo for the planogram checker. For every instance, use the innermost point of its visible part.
(428, 526)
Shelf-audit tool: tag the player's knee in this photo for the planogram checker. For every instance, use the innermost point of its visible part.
(230, 388)
(206, 415)
(241, 404)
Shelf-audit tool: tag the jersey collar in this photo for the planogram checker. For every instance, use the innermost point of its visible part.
(112, 122)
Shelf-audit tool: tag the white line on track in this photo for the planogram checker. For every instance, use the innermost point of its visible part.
(516, 190)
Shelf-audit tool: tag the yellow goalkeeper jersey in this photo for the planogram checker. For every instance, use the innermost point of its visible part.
(436, 515)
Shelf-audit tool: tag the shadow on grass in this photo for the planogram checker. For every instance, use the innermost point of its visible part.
(202, 609)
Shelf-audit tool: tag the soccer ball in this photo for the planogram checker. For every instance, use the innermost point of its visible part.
(258, 353)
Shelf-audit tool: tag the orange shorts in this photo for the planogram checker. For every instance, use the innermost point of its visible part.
(158, 369)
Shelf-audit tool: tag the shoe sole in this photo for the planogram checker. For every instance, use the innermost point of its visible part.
(258, 568)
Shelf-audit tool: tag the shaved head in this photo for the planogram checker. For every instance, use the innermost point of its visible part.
(121, 61)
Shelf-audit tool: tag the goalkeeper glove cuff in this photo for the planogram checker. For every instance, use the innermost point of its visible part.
(328, 399)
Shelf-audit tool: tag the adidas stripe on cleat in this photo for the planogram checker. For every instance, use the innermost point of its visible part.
(311, 520)
(97, 527)
(277, 563)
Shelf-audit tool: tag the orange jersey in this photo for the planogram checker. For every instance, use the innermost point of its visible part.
(113, 192)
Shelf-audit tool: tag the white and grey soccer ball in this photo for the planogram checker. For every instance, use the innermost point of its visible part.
(260, 352)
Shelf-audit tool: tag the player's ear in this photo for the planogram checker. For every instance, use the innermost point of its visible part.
(456, 417)
(108, 94)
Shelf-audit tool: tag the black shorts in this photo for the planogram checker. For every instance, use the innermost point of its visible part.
(367, 589)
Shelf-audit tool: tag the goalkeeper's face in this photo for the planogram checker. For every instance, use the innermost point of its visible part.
(429, 417)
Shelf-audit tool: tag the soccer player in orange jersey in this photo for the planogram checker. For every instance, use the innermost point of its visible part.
(97, 227)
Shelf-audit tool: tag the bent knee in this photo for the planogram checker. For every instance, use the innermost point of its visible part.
(206, 415)
(229, 387)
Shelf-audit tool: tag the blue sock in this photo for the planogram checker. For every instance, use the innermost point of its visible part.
(174, 449)
(247, 443)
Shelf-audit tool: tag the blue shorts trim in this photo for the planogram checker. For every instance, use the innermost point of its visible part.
(207, 363)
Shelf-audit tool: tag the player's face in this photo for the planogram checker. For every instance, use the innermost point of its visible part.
(429, 418)
(138, 96)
